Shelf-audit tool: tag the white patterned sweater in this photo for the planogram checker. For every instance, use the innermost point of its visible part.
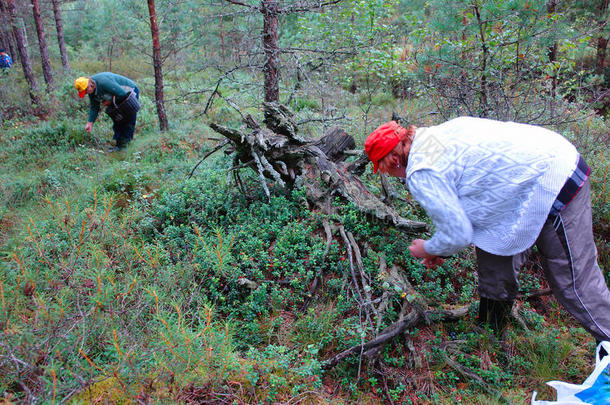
(487, 182)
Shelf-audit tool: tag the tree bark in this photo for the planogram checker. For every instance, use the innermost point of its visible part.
(484, 57)
(4, 32)
(551, 7)
(60, 35)
(42, 42)
(602, 41)
(411, 320)
(269, 9)
(24, 57)
(279, 154)
(157, 63)
(222, 40)
(8, 33)
(4, 38)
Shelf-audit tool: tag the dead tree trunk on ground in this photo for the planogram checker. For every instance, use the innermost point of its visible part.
(278, 153)
(60, 35)
(24, 57)
(42, 42)
(411, 320)
(157, 64)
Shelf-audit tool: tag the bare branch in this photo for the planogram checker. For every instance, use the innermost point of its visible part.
(226, 141)
(301, 8)
(241, 3)
(412, 319)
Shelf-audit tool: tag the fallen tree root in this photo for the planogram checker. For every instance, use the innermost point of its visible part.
(471, 375)
(538, 293)
(410, 320)
(278, 154)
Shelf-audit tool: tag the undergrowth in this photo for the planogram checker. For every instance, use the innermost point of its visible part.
(122, 280)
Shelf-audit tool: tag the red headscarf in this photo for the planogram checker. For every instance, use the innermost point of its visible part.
(382, 140)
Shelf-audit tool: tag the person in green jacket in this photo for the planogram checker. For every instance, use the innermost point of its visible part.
(109, 89)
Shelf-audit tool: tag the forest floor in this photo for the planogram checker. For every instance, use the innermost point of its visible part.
(123, 280)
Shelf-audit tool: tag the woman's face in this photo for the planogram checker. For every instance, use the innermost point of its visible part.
(90, 87)
(392, 165)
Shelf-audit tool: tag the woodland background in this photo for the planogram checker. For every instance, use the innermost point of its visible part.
(160, 275)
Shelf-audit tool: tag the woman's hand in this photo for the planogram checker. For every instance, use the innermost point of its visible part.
(417, 250)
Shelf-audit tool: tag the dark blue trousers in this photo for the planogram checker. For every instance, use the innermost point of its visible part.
(124, 129)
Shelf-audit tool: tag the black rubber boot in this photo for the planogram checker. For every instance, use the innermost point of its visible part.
(602, 352)
(494, 313)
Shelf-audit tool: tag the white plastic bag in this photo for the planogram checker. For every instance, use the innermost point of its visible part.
(595, 390)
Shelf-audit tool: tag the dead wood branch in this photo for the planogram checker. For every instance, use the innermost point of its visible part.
(468, 373)
(411, 320)
(515, 314)
(222, 144)
(317, 277)
(356, 286)
(538, 293)
(279, 154)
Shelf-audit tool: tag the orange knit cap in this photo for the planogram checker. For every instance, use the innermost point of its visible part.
(382, 140)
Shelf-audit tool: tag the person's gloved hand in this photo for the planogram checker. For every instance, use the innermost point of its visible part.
(428, 260)
(88, 126)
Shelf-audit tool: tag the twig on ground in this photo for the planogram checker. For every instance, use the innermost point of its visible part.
(206, 156)
(412, 319)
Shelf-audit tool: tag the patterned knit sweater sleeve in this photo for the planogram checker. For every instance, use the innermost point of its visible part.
(440, 200)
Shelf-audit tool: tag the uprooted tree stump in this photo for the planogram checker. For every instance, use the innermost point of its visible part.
(277, 153)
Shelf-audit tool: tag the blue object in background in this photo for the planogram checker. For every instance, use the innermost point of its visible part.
(5, 61)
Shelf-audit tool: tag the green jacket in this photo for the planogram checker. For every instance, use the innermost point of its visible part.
(107, 85)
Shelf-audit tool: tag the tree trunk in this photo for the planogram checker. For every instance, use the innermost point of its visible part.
(602, 42)
(4, 33)
(157, 63)
(4, 38)
(8, 33)
(269, 8)
(60, 35)
(277, 153)
(110, 53)
(44, 54)
(551, 7)
(24, 57)
(222, 40)
(484, 57)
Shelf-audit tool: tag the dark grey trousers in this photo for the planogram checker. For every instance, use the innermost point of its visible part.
(570, 264)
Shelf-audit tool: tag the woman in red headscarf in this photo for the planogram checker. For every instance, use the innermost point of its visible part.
(503, 187)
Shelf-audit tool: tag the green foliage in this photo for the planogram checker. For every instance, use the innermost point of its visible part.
(46, 138)
(122, 280)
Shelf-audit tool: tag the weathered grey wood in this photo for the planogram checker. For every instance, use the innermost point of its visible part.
(335, 143)
(280, 119)
(411, 320)
(280, 155)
